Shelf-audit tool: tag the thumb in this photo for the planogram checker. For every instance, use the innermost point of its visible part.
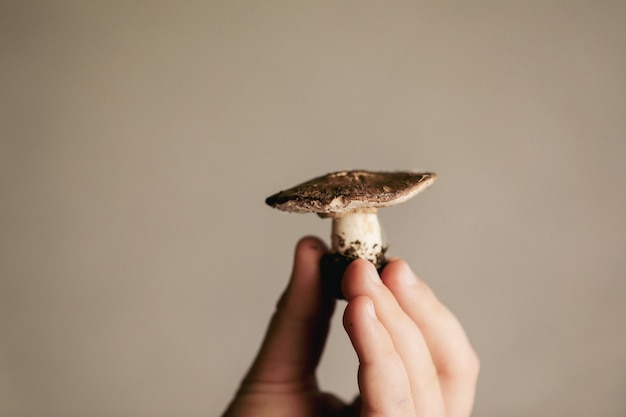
(297, 333)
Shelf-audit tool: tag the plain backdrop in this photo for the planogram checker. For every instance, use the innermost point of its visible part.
(138, 140)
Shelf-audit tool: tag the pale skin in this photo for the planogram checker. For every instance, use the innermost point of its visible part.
(414, 357)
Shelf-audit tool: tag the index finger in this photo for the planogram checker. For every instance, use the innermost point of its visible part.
(383, 379)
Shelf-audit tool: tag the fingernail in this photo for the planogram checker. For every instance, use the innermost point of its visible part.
(408, 276)
(372, 273)
(370, 309)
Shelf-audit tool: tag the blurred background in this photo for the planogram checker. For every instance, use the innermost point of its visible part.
(138, 140)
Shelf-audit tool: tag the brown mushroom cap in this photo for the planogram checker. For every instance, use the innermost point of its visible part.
(346, 191)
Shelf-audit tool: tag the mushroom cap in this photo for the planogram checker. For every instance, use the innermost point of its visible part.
(345, 191)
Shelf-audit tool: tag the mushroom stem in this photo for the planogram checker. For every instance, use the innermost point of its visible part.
(358, 234)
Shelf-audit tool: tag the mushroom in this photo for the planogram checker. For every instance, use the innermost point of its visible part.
(351, 199)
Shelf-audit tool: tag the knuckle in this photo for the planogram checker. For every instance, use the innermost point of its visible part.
(462, 367)
(467, 368)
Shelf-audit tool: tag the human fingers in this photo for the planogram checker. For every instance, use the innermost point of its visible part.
(362, 279)
(456, 361)
(297, 332)
(383, 380)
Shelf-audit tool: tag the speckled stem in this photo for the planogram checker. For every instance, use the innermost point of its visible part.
(354, 235)
(358, 235)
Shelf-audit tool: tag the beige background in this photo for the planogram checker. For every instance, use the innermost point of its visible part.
(138, 140)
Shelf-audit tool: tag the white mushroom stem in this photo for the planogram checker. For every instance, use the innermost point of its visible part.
(357, 235)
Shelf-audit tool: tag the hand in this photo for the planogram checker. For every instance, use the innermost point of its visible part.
(414, 357)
